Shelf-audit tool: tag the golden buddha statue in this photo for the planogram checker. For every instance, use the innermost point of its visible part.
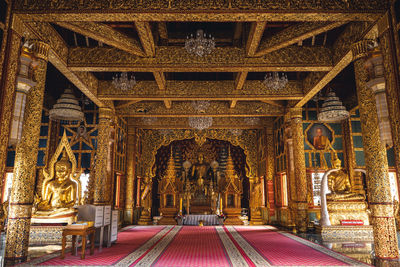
(199, 169)
(339, 185)
(59, 193)
(60, 189)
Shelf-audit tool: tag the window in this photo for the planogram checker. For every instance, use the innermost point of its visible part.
(7, 186)
(84, 178)
(393, 185)
(316, 178)
(284, 190)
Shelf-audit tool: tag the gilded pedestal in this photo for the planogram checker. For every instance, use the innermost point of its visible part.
(21, 200)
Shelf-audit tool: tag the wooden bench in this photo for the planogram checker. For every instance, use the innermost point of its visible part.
(78, 232)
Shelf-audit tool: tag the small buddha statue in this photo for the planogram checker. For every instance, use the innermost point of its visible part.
(60, 193)
(339, 185)
(200, 170)
(146, 188)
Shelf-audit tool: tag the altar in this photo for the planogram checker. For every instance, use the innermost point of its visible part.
(200, 184)
(208, 219)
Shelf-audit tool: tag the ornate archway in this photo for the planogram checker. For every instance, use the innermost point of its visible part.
(154, 139)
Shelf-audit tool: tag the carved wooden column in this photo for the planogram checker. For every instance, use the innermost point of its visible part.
(290, 173)
(7, 85)
(270, 169)
(379, 195)
(130, 175)
(103, 181)
(138, 191)
(22, 192)
(300, 168)
(392, 86)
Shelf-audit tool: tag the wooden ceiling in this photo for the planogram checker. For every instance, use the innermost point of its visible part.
(312, 46)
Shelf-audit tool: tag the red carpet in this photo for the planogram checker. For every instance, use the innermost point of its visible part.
(205, 246)
(194, 246)
(128, 241)
(279, 249)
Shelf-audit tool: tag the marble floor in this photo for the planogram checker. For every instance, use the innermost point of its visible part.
(362, 251)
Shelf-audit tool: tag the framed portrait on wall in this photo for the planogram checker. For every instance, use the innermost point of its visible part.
(319, 136)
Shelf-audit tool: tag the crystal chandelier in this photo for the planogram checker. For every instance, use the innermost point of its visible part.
(200, 123)
(332, 109)
(200, 45)
(122, 82)
(67, 108)
(274, 81)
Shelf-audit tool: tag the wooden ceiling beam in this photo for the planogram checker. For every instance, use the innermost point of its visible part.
(255, 35)
(342, 57)
(181, 10)
(183, 109)
(126, 104)
(160, 80)
(84, 81)
(146, 37)
(218, 123)
(199, 90)
(294, 34)
(240, 80)
(105, 34)
(223, 59)
(277, 103)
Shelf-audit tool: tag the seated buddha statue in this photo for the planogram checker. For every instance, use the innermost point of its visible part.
(339, 185)
(59, 195)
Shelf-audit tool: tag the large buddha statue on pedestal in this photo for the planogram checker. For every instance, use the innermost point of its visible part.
(60, 192)
(340, 186)
(342, 204)
(60, 189)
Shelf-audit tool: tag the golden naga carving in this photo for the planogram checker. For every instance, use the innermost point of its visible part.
(61, 189)
(339, 184)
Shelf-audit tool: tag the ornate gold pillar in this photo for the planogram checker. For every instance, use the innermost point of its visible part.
(300, 168)
(270, 168)
(391, 74)
(22, 192)
(103, 180)
(8, 83)
(130, 175)
(379, 195)
(290, 172)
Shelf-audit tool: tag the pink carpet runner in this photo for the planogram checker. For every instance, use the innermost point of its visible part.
(205, 246)
(194, 246)
(128, 241)
(289, 250)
